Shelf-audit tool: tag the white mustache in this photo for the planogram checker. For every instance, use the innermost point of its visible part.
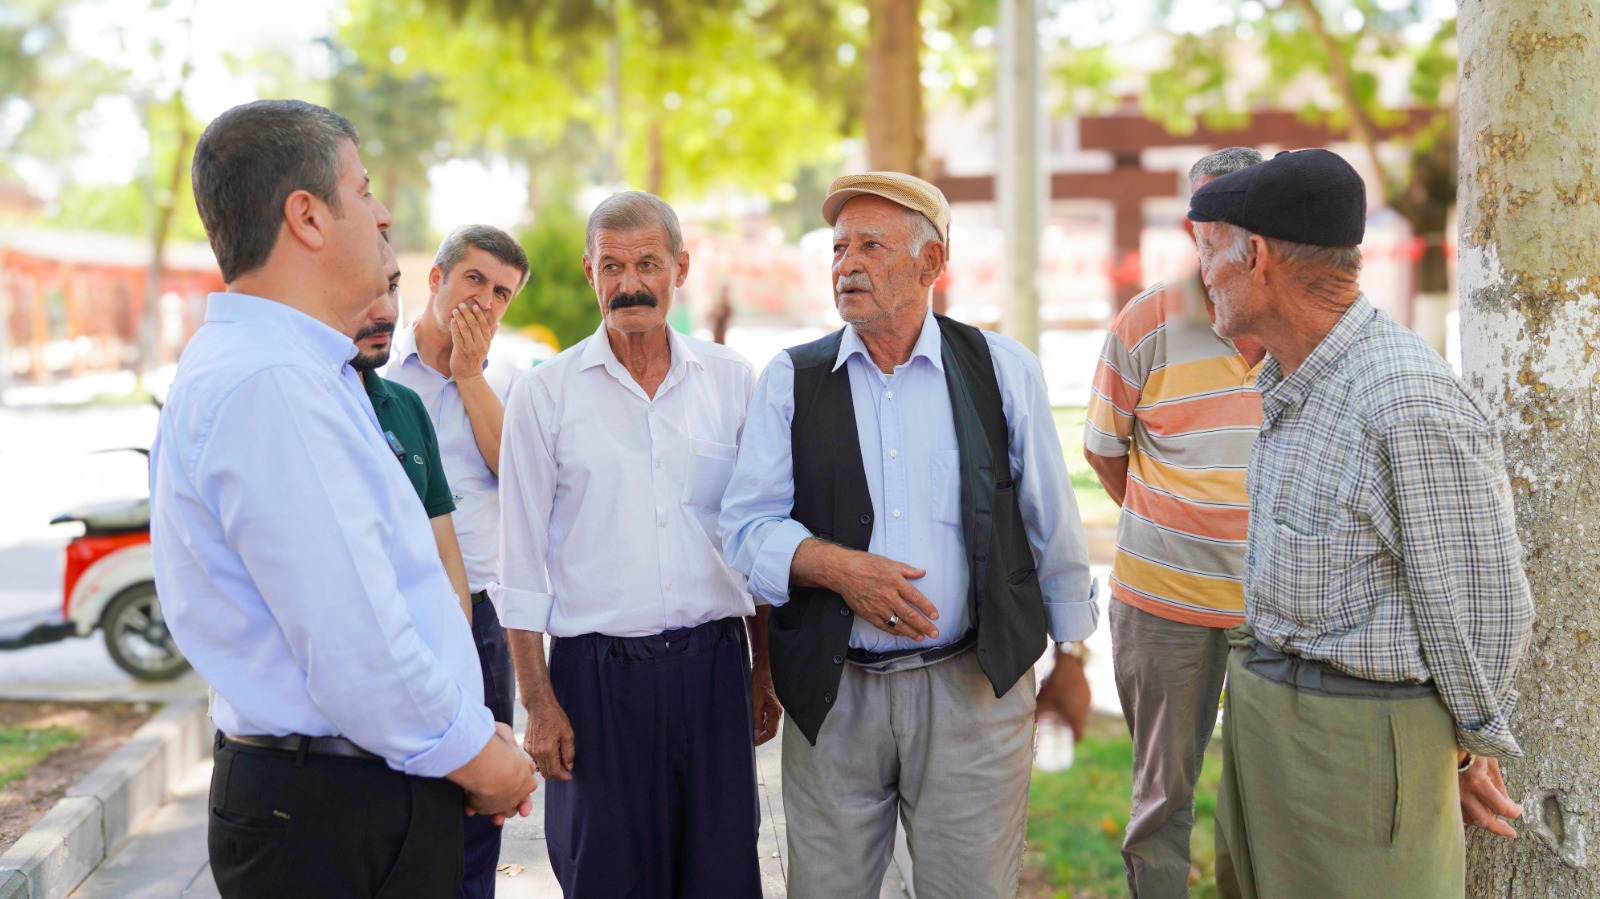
(852, 282)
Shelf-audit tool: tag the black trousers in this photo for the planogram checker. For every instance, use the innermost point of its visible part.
(482, 836)
(662, 804)
(283, 825)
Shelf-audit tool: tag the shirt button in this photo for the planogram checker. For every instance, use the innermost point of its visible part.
(663, 522)
(894, 454)
(888, 394)
(669, 588)
(838, 660)
(865, 519)
(844, 613)
(896, 513)
(827, 699)
(658, 464)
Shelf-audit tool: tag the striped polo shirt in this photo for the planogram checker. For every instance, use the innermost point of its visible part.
(1181, 404)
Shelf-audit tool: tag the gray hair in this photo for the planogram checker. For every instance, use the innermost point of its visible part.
(1223, 162)
(1346, 260)
(487, 238)
(247, 163)
(632, 210)
(922, 232)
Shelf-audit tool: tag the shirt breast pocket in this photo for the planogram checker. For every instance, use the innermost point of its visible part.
(710, 469)
(946, 498)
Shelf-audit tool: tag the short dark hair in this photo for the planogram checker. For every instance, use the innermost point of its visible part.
(247, 163)
(487, 238)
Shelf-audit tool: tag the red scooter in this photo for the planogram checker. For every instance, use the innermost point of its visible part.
(110, 584)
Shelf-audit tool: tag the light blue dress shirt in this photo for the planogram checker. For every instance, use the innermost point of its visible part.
(913, 467)
(296, 566)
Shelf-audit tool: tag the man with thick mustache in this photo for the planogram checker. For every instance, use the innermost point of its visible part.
(404, 420)
(901, 500)
(444, 357)
(615, 457)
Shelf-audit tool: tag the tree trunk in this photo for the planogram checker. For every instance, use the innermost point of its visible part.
(1529, 274)
(893, 108)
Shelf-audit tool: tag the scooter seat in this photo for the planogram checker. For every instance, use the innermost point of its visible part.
(110, 517)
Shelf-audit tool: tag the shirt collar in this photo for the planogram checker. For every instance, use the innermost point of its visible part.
(598, 352)
(1280, 392)
(404, 344)
(325, 344)
(377, 388)
(929, 345)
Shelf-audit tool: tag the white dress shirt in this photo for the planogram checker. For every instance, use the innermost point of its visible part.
(609, 518)
(296, 566)
(913, 467)
(473, 486)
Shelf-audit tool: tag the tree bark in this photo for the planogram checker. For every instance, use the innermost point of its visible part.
(893, 109)
(1529, 275)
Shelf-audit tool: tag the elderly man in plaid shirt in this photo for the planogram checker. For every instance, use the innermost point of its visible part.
(1369, 691)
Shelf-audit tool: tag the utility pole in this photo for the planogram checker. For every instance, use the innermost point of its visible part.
(1021, 176)
(1529, 276)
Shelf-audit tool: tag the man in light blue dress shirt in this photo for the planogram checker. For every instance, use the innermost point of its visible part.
(901, 500)
(444, 357)
(296, 568)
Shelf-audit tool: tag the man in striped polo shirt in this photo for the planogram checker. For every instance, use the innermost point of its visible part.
(1172, 417)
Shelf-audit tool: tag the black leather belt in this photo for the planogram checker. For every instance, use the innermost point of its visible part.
(338, 747)
(481, 597)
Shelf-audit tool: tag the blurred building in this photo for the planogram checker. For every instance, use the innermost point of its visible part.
(74, 303)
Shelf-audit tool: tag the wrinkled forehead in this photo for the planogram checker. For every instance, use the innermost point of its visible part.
(633, 243)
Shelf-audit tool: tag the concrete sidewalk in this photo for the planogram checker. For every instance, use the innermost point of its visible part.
(165, 858)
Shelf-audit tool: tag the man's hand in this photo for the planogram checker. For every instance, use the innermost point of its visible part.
(1064, 695)
(765, 710)
(506, 791)
(549, 739)
(876, 588)
(470, 333)
(1484, 801)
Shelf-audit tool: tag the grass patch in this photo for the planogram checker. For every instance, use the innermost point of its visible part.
(1076, 820)
(23, 747)
(1094, 506)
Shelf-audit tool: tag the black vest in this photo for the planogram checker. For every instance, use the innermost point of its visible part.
(810, 634)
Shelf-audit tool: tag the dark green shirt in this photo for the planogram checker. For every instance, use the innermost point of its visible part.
(410, 435)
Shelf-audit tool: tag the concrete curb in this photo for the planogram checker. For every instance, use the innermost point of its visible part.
(95, 816)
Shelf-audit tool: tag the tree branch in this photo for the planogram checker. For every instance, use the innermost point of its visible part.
(1361, 124)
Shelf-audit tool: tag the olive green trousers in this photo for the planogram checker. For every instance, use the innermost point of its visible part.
(1333, 786)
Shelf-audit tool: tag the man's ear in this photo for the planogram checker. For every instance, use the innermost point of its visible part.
(933, 260)
(1259, 262)
(683, 268)
(303, 218)
(435, 278)
(588, 271)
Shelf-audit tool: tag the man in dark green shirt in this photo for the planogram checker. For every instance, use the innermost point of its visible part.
(406, 425)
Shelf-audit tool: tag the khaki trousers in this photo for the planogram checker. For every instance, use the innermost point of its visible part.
(1333, 796)
(932, 745)
(1169, 678)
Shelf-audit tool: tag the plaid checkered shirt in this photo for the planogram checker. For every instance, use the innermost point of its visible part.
(1382, 540)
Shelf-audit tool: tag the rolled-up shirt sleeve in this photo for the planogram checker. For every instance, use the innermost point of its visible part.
(1463, 562)
(1044, 494)
(319, 556)
(522, 596)
(759, 538)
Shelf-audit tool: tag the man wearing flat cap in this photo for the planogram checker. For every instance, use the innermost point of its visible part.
(901, 500)
(1369, 691)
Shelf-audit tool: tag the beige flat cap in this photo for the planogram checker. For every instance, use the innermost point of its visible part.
(914, 194)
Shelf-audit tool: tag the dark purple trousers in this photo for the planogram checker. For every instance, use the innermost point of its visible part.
(662, 804)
